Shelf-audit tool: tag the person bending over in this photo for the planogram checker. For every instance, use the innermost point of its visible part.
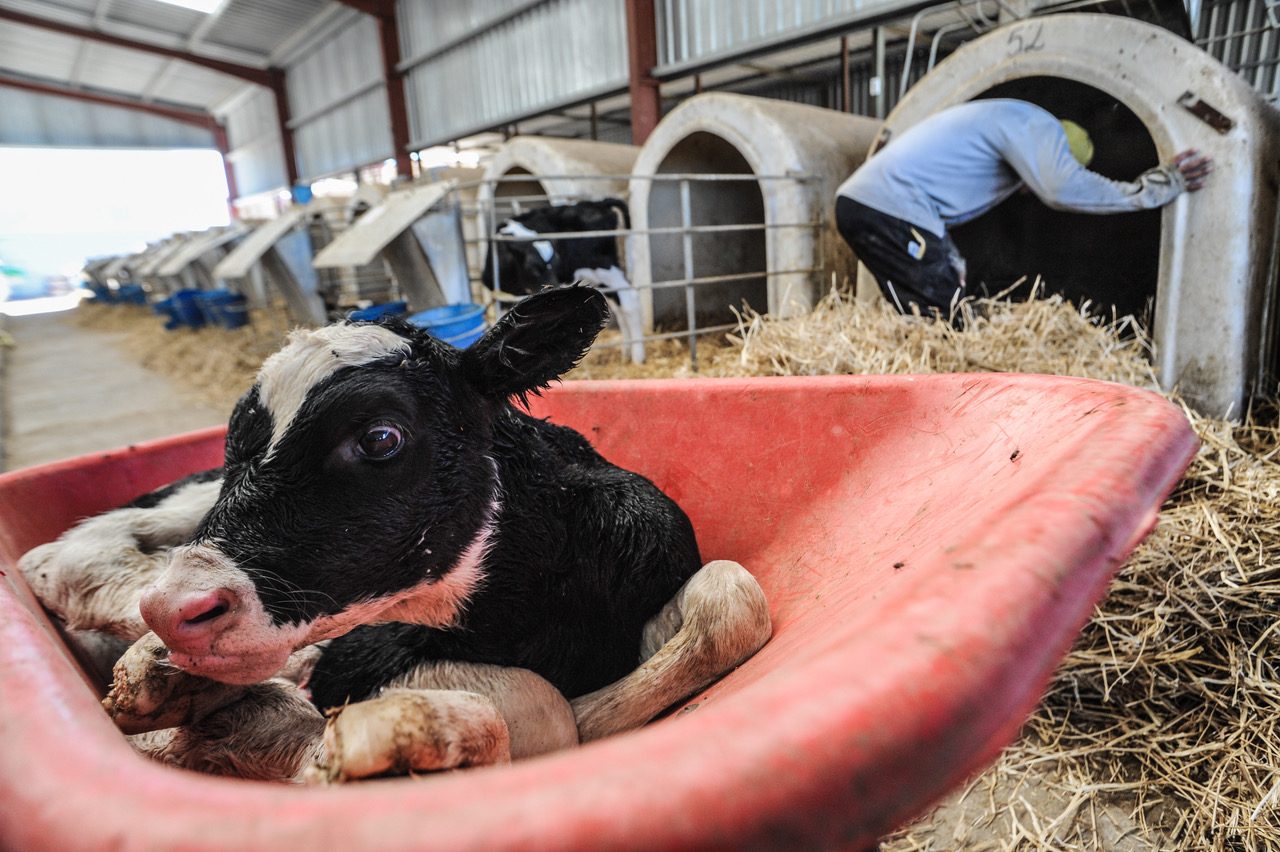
(894, 211)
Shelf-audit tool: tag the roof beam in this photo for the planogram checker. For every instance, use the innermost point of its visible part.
(261, 76)
(187, 116)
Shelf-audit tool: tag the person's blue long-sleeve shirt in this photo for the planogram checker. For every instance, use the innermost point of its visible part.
(966, 159)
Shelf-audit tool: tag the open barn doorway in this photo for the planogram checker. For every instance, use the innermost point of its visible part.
(1110, 261)
(738, 255)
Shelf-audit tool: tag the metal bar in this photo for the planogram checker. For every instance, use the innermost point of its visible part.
(668, 176)
(667, 335)
(690, 306)
(700, 229)
(673, 283)
(187, 116)
(1227, 37)
(881, 96)
(261, 76)
(397, 107)
(279, 88)
(846, 77)
(642, 56)
(220, 142)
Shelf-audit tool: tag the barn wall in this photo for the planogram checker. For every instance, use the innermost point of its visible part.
(477, 64)
(254, 135)
(338, 101)
(695, 30)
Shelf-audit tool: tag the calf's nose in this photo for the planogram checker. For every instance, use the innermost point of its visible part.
(187, 621)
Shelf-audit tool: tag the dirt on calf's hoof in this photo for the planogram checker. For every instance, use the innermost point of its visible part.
(411, 730)
(148, 693)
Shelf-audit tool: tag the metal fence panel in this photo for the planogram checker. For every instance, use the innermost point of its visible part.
(1244, 35)
(471, 66)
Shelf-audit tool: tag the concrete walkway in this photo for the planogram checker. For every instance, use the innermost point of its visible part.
(69, 390)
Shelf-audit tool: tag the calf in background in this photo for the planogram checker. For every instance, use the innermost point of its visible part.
(528, 263)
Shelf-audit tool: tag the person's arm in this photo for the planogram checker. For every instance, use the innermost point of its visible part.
(1039, 154)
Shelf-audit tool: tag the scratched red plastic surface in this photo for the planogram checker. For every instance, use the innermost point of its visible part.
(929, 545)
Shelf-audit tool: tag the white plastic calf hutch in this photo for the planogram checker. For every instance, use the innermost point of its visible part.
(761, 239)
(277, 255)
(1208, 260)
(536, 170)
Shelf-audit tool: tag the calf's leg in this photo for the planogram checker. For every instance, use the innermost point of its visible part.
(447, 715)
(717, 620)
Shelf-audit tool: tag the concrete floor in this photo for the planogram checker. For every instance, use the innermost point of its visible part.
(69, 390)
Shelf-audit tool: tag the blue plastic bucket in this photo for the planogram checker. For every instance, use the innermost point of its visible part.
(186, 308)
(459, 325)
(224, 308)
(132, 294)
(374, 312)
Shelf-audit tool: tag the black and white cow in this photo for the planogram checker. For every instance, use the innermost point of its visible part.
(387, 518)
(526, 263)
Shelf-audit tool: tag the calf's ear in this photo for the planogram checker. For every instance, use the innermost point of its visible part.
(541, 338)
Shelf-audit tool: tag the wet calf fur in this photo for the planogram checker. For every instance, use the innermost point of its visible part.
(375, 475)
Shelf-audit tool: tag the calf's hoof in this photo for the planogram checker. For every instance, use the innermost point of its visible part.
(411, 730)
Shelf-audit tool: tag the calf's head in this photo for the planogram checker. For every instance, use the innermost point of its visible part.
(359, 486)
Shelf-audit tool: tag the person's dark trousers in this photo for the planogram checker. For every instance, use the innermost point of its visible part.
(911, 265)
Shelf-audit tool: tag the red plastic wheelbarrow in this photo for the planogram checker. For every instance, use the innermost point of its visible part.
(930, 546)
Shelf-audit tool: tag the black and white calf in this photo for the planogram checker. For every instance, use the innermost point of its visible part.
(388, 519)
(527, 264)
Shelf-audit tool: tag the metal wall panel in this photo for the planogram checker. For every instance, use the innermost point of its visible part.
(1244, 35)
(339, 102)
(254, 137)
(35, 119)
(694, 30)
(472, 66)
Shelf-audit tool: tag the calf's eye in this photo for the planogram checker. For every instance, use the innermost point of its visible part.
(380, 441)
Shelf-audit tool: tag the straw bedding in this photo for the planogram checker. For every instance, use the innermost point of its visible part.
(1159, 729)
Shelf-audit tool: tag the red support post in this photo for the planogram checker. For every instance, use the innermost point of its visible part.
(222, 144)
(277, 85)
(384, 12)
(389, 30)
(642, 55)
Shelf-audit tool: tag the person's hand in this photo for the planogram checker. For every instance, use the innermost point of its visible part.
(1195, 168)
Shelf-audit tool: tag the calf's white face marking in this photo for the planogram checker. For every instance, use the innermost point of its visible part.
(311, 357)
(249, 645)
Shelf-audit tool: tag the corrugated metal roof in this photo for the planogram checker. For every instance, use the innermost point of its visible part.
(183, 83)
(156, 16)
(36, 52)
(118, 70)
(261, 26)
